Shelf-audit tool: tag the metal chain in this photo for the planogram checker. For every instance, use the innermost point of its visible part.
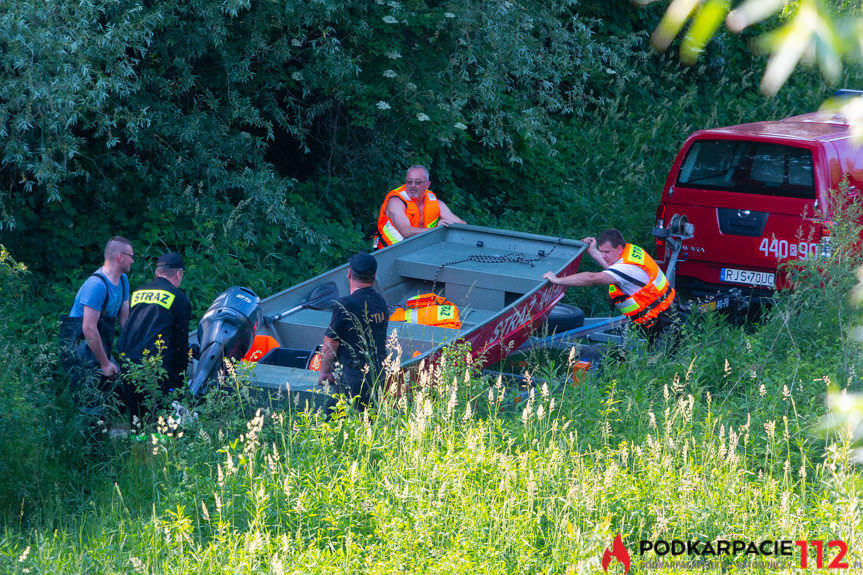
(512, 257)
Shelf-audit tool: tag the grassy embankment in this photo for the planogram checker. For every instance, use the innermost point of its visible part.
(720, 441)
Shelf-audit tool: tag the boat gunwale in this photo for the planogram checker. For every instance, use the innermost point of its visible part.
(432, 237)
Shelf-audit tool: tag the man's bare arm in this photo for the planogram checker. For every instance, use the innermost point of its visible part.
(399, 218)
(90, 327)
(580, 279)
(124, 313)
(328, 359)
(594, 252)
(446, 215)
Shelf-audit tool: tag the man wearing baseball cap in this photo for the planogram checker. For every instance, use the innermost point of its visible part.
(355, 344)
(160, 312)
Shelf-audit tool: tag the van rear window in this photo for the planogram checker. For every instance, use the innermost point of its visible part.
(749, 168)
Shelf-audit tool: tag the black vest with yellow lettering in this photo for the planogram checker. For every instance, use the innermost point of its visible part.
(159, 312)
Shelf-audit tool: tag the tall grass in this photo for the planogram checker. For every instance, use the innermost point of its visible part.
(722, 440)
(456, 479)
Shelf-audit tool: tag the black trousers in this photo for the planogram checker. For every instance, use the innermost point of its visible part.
(135, 400)
(356, 384)
(664, 334)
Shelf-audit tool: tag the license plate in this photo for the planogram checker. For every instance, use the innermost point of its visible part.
(764, 279)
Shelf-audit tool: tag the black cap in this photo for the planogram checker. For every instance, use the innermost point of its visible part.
(171, 260)
(363, 264)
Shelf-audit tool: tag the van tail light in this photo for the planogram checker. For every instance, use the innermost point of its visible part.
(660, 242)
(826, 239)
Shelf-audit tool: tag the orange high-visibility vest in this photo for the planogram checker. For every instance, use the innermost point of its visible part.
(428, 309)
(652, 298)
(387, 232)
(260, 346)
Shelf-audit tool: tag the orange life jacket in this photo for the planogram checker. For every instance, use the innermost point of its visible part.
(428, 309)
(260, 346)
(387, 232)
(652, 298)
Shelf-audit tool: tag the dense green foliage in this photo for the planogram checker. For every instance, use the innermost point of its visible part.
(258, 139)
(251, 135)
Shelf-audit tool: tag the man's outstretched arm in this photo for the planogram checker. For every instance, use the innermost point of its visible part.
(446, 215)
(580, 279)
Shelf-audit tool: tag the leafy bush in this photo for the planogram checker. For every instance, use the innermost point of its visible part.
(27, 415)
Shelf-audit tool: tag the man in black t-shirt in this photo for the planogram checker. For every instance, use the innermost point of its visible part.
(160, 311)
(357, 334)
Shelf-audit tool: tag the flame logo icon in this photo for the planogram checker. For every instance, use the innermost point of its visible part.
(619, 552)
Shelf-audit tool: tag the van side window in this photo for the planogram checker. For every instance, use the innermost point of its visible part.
(748, 167)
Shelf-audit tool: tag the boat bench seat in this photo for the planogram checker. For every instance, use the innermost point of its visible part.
(506, 276)
(471, 317)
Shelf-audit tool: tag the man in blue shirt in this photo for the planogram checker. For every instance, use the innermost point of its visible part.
(88, 331)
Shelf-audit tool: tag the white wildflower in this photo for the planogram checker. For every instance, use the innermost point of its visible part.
(468, 413)
(389, 74)
(298, 76)
(381, 105)
(770, 429)
(448, 15)
(390, 20)
(278, 568)
(394, 54)
(527, 412)
(459, 126)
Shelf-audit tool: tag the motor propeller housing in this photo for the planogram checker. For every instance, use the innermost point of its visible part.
(225, 332)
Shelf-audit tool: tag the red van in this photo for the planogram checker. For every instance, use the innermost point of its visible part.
(757, 195)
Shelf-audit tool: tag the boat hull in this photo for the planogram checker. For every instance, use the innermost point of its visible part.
(493, 276)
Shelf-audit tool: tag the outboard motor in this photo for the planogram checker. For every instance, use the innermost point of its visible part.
(226, 331)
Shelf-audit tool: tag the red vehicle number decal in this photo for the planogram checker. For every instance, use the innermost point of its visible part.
(782, 249)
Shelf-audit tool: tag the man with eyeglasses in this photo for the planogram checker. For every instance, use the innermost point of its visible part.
(636, 285)
(411, 209)
(158, 326)
(87, 333)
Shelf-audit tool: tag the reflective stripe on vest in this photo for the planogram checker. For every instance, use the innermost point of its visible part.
(387, 232)
(650, 300)
(160, 297)
(427, 299)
